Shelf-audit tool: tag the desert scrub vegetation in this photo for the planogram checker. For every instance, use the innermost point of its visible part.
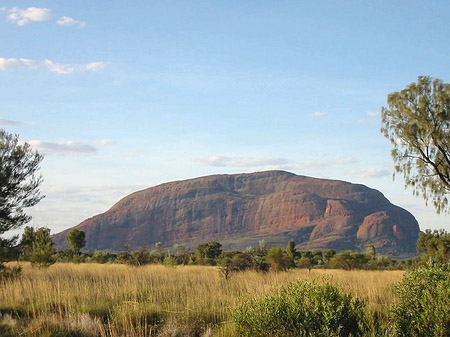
(423, 308)
(302, 308)
(118, 300)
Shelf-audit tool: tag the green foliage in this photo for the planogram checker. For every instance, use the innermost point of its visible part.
(208, 250)
(371, 252)
(301, 309)
(76, 240)
(435, 244)
(182, 254)
(100, 257)
(327, 255)
(424, 303)
(137, 258)
(26, 243)
(42, 250)
(275, 258)
(243, 261)
(19, 181)
(170, 261)
(417, 122)
(19, 188)
(349, 260)
(290, 249)
(305, 262)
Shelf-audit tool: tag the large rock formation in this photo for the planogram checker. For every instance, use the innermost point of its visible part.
(239, 210)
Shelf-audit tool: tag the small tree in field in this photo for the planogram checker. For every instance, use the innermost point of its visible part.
(42, 250)
(417, 122)
(209, 250)
(275, 258)
(290, 249)
(76, 240)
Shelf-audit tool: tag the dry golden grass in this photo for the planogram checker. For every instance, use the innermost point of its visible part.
(118, 300)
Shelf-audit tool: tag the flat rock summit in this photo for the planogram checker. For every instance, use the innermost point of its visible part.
(239, 210)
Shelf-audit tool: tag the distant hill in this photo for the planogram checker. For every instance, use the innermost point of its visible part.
(239, 210)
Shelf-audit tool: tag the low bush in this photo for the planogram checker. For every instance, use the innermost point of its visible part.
(424, 303)
(301, 309)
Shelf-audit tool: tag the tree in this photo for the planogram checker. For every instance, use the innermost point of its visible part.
(209, 250)
(348, 260)
(417, 122)
(26, 243)
(371, 252)
(435, 244)
(275, 258)
(19, 187)
(42, 250)
(76, 240)
(290, 249)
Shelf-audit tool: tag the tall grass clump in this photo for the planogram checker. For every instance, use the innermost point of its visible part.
(301, 309)
(423, 308)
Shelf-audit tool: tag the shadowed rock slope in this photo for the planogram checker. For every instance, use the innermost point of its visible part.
(241, 209)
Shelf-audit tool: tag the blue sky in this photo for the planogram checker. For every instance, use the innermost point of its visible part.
(121, 96)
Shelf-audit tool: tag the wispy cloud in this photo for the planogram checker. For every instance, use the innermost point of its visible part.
(369, 173)
(68, 21)
(14, 63)
(9, 122)
(372, 113)
(270, 162)
(103, 142)
(344, 160)
(21, 16)
(240, 161)
(69, 147)
(371, 121)
(319, 114)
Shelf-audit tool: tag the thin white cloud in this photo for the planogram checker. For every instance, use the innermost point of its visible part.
(13, 63)
(344, 160)
(319, 114)
(20, 16)
(213, 161)
(103, 142)
(223, 161)
(372, 113)
(369, 173)
(257, 162)
(68, 21)
(9, 122)
(68, 147)
(270, 162)
(367, 121)
(309, 165)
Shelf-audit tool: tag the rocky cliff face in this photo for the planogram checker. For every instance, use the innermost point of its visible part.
(239, 210)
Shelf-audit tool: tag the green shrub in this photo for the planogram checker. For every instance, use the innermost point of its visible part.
(303, 309)
(424, 303)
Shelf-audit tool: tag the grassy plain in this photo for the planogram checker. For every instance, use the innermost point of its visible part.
(88, 300)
